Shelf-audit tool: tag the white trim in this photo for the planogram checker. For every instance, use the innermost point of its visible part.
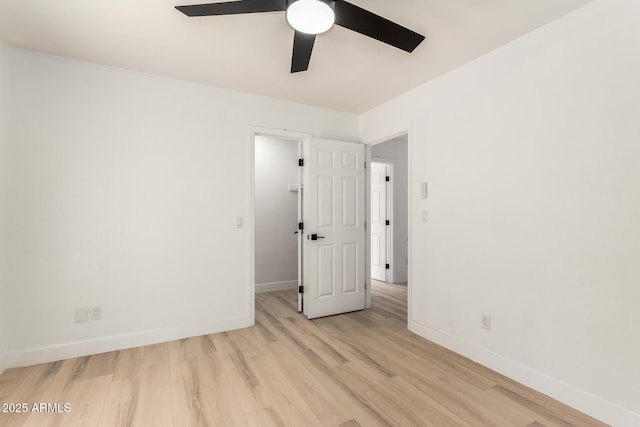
(70, 350)
(276, 286)
(367, 223)
(409, 224)
(390, 137)
(566, 393)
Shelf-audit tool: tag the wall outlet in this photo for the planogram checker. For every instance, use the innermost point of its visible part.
(95, 312)
(485, 322)
(82, 314)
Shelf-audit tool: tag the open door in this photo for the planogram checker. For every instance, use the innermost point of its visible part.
(379, 221)
(334, 227)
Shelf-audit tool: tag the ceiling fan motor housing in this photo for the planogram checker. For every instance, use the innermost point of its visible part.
(311, 16)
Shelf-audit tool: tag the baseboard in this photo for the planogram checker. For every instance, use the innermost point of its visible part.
(579, 399)
(276, 286)
(70, 350)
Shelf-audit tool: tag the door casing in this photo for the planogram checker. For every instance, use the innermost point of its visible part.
(301, 136)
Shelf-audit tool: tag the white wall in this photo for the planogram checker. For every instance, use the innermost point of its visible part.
(396, 150)
(533, 162)
(124, 189)
(276, 214)
(4, 303)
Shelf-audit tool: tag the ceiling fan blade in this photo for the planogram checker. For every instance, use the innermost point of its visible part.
(234, 7)
(377, 27)
(302, 48)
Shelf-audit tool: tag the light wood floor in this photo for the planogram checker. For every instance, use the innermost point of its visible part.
(358, 369)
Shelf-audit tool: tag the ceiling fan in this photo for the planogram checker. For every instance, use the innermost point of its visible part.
(311, 17)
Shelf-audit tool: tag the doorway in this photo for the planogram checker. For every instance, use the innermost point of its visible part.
(276, 184)
(389, 231)
(330, 236)
(389, 211)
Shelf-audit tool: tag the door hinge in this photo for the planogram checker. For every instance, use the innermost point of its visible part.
(301, 289)
(387, 222)
(386, 266)
(301, 226)
(387, 178)
(300, 162)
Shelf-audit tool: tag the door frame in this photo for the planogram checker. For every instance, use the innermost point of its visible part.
(274, 133)
(389, 208)
(408, 132)
(302, 136)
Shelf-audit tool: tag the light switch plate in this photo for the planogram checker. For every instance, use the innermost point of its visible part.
(82, 314)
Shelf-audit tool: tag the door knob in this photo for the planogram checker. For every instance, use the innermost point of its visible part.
(314, 236)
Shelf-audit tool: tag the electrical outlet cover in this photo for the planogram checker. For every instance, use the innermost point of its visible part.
(96, 312)
(82, 314)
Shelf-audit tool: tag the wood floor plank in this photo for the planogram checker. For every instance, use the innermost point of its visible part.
(54, 384)
(424, 404)
(154, 399)
(86, 398)
(549, 411)
(100, 364)
(129, 364)
(10, 379)
(120, 404)
(21, 392)
(438, 356)
(185, 390)
(321, 400)
(358, 369)
(201, 391)
(265, 417)
(286, 399)
(250, 393)
(379, 399)
(220, 406)
(349, 401)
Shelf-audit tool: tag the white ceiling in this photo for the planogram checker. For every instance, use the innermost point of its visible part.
(252, 53)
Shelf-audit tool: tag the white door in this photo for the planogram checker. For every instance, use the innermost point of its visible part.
(378, 221)
(334, 233)
(299, 232)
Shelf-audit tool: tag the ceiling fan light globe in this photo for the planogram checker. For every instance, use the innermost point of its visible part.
(310, 16)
